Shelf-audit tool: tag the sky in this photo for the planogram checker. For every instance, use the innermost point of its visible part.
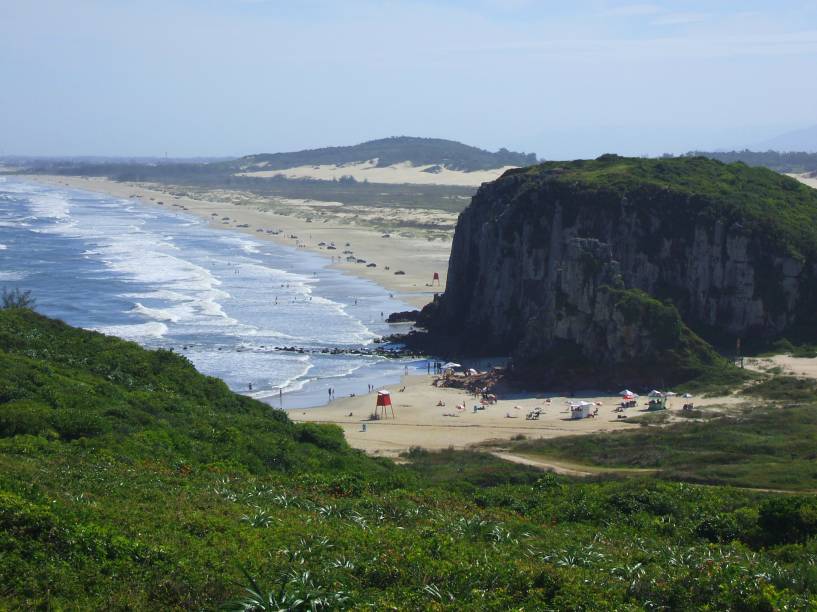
(562, 79)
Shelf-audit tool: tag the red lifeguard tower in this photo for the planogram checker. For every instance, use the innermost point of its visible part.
(435, 279)
(383, 404)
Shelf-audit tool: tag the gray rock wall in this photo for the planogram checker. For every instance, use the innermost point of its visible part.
(528, 250)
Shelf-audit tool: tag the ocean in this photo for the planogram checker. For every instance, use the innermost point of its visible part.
(221, 298)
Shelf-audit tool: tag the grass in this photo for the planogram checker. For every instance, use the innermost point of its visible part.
(761, 447)
(787, 388)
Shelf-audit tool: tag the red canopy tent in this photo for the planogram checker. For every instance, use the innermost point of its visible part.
(384, 404)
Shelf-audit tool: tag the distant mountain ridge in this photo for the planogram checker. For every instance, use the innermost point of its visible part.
(796, 162)
(797, 140)
(394, 150)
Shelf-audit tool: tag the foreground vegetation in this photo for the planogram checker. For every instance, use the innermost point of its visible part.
(128, 480)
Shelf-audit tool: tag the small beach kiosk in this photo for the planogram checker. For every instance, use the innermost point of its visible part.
(658, 401)
(383, 405)
(582, 410)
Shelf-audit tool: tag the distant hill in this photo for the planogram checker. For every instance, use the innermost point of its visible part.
(797, 162)
(796, 140)
(390, 151)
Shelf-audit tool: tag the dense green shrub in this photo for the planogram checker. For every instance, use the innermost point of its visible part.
(785, 520)
(24, 417)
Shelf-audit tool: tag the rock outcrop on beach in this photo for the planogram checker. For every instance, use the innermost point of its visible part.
(617, 264)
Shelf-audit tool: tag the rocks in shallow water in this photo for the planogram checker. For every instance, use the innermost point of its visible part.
(406, 316)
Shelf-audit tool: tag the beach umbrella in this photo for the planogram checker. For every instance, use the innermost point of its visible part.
(655, 393)
(687, 395)
(670, 394)
(451, 365)
(626, 393)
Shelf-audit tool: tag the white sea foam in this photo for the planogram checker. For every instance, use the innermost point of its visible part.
(3, 247)
(51, 205)
(159, 294)
(139, 331)
(174, 314)
(12, 275)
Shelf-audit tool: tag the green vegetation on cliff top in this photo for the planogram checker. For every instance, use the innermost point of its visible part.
(769, 204)
(130, 481)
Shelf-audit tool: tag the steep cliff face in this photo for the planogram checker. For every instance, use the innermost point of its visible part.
(539, 255)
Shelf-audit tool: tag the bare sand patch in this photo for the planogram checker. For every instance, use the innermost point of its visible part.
(803, 367)
(811, 181)
(403, 173)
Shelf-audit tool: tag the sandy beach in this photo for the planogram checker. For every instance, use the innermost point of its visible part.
(416, 256)
(419, 421)
(404, 173)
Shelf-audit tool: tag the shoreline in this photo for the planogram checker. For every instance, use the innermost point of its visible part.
(418, 259)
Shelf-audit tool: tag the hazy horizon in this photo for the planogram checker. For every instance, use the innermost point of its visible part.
(234, 77)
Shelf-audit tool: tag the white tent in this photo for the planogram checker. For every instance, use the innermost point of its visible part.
(670, 394)
(451, 365)
(628, 393)
(580, 410)
(687, 395)
(655, 393)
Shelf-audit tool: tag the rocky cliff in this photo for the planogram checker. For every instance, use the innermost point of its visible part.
(604, 263)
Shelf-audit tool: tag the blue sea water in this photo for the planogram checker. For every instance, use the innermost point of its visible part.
(223, 299)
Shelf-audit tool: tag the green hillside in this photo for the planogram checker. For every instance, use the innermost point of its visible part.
(388, 151)
(130, 481)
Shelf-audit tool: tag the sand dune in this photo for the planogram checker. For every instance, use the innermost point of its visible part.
(811, 181)
(394, 174)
